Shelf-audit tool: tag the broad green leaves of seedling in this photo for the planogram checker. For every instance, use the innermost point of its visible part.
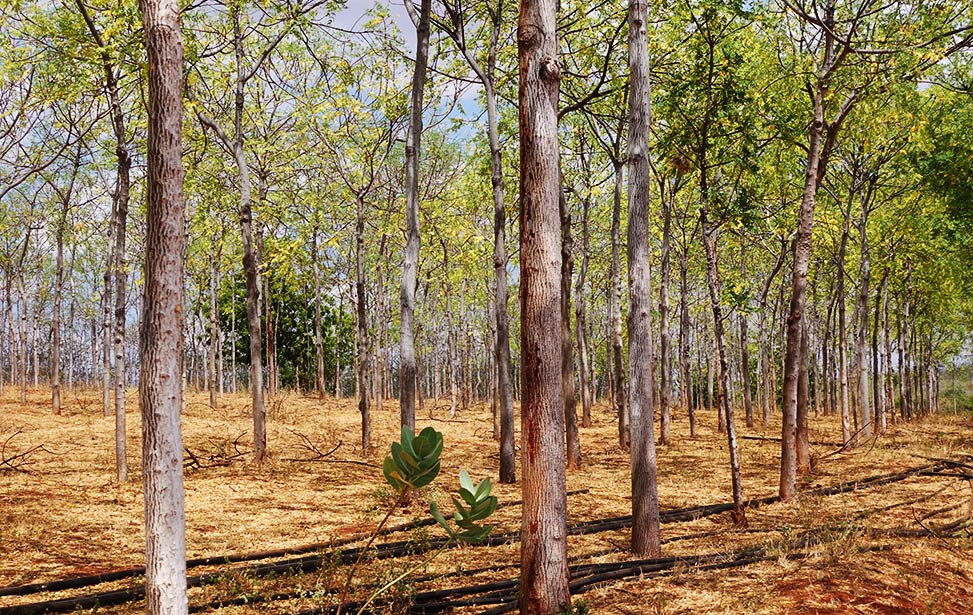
(477, 504)
(414, 463)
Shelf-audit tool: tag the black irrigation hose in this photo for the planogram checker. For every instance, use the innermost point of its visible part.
(216, 560)
(402, 548)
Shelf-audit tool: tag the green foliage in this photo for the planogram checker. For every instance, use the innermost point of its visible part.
(292, 307)
(414, 461)
(477, 504)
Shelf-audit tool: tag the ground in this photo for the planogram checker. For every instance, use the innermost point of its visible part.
(884, 548)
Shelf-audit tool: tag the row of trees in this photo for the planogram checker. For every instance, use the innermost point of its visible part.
(767, 125)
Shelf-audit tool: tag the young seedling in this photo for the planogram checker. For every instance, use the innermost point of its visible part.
(413, 462)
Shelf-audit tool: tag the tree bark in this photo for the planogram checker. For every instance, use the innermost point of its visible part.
(410, 257)
(665, 373)
(567, 348)
(615, 307)
(580, 321)
(362, 322)
(318, 340)
(803, 392)
(645, 494)
(687, 376)
(544, 564)
(161, 343)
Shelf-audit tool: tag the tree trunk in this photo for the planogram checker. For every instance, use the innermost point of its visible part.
(724, 407)
(803, 392)
(318, 341)
(846, 434)
(802, 257)
(362, 321)
(567, 349)
(665, 373)
(864, 277)
(214, 327)
(544, 565)
(160, 388)
(410, 257)
(645, 494)
(580, 322)
(615, 307)
(687, 377)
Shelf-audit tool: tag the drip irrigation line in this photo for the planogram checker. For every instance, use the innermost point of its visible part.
(217, 560)
(402, 548)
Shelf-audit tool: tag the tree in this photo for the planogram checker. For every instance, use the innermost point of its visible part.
(544, 563)
(161, 338)
(645, 495)
(455, 28)
(410, 260)
(120, 199)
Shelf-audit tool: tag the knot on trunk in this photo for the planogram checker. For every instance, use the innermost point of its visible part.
(550, 70)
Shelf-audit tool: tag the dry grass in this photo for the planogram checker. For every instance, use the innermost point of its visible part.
(64, 515)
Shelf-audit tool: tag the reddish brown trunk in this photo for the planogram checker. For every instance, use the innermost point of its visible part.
(544, 566)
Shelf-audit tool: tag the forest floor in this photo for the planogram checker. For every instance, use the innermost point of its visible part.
(895, 546)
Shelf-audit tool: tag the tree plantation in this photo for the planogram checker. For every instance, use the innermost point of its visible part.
(480, 306)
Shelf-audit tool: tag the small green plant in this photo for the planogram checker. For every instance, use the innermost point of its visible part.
(413, 463)
(479, 505)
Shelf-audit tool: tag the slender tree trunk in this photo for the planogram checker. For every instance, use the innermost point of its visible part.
(803, 393)
(106, 322)
(802, 257)
(580, 322)
(864, 276)
(905, 356)
(878, 386)
(615, 307)
(214, 328)
(665, 383)
(724, 407)
(745, 350)
(410, 258)
(567, 349)
(160, 388)
(641, 375)
(362, 320)
(843, 343)
(687, 377)
(318, 341)
(544, 564)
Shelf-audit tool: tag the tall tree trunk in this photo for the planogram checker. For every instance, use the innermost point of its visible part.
(318, 340)
(214, 328)
(724, 407)
(665, 373)
(615, 307)
(687, 376)
(878, 377)
(362, 321)
(745, 350)
(846, 435)
(821, 138)
(795, 314)
(567, 349)
(544, 564)
(410, 257)
(641, 375)
(251, 251)
(864, 277)
(803, 392)
(161, 340)
(905, 355)
(580, 320)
